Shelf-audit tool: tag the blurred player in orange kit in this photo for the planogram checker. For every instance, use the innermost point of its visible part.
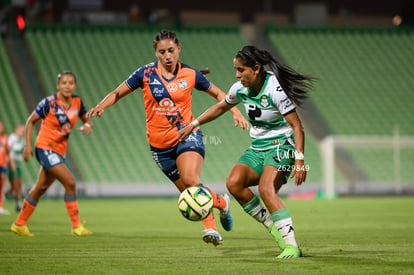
(167, 87)
(59, 113)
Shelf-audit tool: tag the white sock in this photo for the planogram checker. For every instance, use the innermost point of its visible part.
(285, 228)
(256, 209)
(260, 214)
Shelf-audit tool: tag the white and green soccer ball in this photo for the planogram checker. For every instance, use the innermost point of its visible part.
(195, 203)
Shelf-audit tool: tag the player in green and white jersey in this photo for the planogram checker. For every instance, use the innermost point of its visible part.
(16, 144)
(277, 139)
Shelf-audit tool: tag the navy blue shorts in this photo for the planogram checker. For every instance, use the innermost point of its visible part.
(48, 158)
(166, 158)
(3, 169)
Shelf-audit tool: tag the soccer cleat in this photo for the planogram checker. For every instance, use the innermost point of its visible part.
(212, 236)
(80, 230)
(276, 234)
(226, 219)
(21, 230)
(290, 252)
(4, 211)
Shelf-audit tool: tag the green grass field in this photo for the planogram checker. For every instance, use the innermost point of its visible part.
(149, 236)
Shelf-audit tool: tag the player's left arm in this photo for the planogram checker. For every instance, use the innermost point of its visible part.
(219, 95)
(299, 171)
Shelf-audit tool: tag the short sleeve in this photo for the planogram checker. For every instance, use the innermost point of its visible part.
(42, 108)
(283, 102)
(82, 111)
(231, 97)
(134, 81)
(201, 82)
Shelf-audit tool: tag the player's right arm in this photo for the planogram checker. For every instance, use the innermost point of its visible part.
(113, 97)
(210, 114)
(31, 121)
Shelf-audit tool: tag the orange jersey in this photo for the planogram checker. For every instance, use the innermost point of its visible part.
(167, 101)
(57, 122)
(3, 149)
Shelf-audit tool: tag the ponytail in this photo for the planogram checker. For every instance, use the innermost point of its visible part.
(295, 85)
(205, 71)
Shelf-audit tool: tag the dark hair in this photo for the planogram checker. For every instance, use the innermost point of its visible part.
(295, 85)
(165, 34)
(62, 73)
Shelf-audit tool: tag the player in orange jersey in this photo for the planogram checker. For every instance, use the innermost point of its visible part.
(4, 162)
(167, 86)
(59, 114)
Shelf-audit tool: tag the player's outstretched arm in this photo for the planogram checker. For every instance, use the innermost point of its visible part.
(28, 150)
(109, 100)
(210, 114)
(238, 118)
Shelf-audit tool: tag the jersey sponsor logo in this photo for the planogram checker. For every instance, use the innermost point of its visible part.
(158, 92)
(62, 119)
(264, 101)
(166, 102)
(172, 87)
(66, 129)
(254, 112)
(275, 142)
(183, 84)
(286, 102)
(72, 113)
(58, 112)
(155, 82)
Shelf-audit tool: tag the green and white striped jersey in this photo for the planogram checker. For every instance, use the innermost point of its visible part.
(265, 110)
(16, 147)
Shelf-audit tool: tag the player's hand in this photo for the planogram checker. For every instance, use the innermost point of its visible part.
(96, 111)
(86, 129)
(183, 133)
(239, 120)
(27, 152)
(299, 172)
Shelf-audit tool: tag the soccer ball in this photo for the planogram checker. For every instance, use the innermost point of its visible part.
(195, 203)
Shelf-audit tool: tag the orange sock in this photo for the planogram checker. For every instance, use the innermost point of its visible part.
(209, 222)
(25, 213)
(73, 211)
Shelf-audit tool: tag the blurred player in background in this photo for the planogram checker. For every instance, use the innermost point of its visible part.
(276, 151)
(59, 113)
(167, 87)
(16, 146)
(4, 163)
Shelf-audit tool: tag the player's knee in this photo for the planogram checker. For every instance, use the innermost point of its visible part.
(70, 185)
(266, 191)
(190, 180)
(234, 184)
